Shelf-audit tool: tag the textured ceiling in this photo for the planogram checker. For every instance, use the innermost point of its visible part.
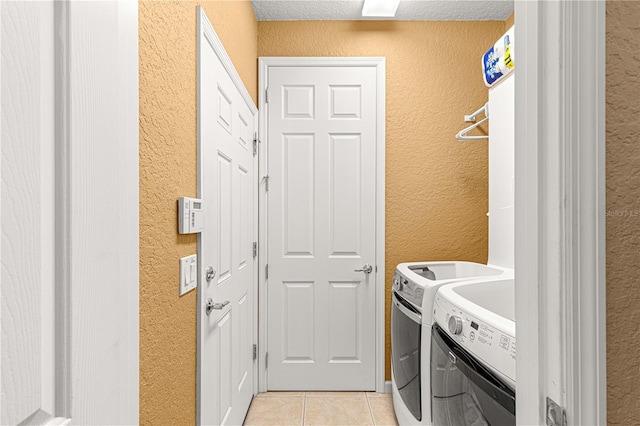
(410, 10)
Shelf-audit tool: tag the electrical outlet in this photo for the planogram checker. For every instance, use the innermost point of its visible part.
(188, 273)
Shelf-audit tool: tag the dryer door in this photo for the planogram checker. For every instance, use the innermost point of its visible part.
(463, 391)
(406, 327)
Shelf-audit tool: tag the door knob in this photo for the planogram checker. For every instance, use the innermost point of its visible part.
(367, 269)
(210, 306)
(210, 273)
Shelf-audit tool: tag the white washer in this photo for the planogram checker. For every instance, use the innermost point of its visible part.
(414, 289)
(473, 357)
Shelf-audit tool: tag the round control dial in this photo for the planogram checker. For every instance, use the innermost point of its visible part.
(397, 284)
(455, 325)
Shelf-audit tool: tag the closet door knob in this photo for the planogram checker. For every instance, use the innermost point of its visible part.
(367, 269)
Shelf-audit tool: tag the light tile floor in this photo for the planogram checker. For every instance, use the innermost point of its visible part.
(321, 408)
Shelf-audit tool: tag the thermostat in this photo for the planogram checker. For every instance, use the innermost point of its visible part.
(191, 215)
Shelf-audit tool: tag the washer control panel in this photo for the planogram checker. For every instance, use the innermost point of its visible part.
(492, 346)
(409, 290)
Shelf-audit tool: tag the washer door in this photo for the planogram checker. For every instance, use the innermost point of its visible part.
(463, 391)
(405, 353)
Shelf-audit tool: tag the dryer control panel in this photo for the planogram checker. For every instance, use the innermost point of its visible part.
(495, 348)
(409, 290)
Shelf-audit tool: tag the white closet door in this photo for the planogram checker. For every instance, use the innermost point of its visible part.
(321, 228)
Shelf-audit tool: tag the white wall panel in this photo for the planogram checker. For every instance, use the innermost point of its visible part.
(502, 173)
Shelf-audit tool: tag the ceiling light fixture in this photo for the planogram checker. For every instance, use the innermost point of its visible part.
(380, 8)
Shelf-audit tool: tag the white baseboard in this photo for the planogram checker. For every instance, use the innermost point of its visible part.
(387, 387)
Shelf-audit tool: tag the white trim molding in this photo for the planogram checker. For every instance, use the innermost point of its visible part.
(560, 203)
(100, 150)
(379, 63)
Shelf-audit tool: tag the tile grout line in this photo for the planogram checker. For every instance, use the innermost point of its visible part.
(373, 421)
(304, 407)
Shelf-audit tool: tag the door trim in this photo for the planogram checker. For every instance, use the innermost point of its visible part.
(560, 210)
(379, 63)
(96, 277)
(206, 34)
(96, 180)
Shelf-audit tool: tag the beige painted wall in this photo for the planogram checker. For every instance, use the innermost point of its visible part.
(623, 206)
(168, 167)
(509, 22)
(436, 187)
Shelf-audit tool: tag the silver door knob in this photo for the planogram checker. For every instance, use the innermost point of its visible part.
(210, 306)
(367, 269)
(210, 273)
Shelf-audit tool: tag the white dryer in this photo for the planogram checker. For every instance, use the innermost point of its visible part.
(473, 354)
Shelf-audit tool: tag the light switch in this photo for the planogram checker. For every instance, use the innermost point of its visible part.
(188, 273)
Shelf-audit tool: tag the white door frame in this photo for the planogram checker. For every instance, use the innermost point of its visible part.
(560, 210)
(206, 34)
(265, 63)
(98, 210)
(96, 284)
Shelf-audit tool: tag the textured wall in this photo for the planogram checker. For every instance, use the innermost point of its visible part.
(623, 206)
(436, 187)
(508, 23)
(167, 171)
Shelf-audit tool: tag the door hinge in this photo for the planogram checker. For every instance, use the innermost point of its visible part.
(556, 416)
(265, 178)
(255, 249)
(266, 95)
(255, 351)
(266, 360)
(266, 271)
(255, 144)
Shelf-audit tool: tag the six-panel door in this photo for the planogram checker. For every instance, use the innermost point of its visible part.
(321, 228)
(226, 377)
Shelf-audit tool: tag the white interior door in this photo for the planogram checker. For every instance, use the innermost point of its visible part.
(321, 228)
(226, 175)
